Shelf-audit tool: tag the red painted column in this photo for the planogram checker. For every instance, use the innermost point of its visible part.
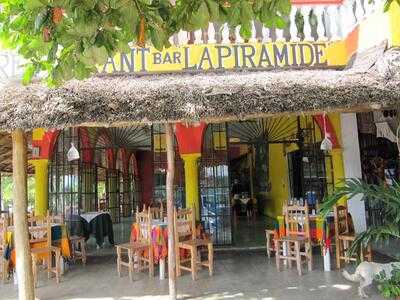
(190, 141)
(330, 130)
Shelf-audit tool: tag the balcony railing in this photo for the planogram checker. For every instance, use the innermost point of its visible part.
(309, 20)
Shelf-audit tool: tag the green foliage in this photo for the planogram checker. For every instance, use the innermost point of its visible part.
(388, 3)
(389, 286)
(66, 39)
(385, 197)
(7, 191)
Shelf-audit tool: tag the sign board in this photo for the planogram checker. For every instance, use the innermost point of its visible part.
(276, 55)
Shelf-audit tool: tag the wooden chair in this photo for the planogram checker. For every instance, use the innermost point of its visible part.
(185, 238)
(297, 238)
(3, 246)
(78, 248)
(344, 236)
(157, 213)
(41, 233)
(57, 219)
(136, 249)
(269, 240)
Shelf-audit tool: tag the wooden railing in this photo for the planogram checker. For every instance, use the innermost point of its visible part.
(310, 20)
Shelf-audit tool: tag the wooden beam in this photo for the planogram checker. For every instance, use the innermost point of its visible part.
(169, 139)
(20, 204)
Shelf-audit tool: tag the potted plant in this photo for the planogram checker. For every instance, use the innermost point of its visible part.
(387, 198)
(389, 286)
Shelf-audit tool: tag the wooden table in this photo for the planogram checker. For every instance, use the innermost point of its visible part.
(159, 238)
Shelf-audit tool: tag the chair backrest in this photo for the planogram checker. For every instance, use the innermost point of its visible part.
(341, 217)
(143, 219)
(3, 232)
(57, 219)
(297, 220)
(40, 230)
(157, 212)
(185, 224)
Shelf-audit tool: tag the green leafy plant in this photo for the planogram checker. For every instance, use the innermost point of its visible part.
(385, 197)
(389, 286)
(67, 39)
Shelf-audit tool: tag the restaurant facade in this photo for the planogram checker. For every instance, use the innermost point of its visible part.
(275, 156)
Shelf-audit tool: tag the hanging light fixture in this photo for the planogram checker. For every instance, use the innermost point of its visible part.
(73, 153)
(326, 143)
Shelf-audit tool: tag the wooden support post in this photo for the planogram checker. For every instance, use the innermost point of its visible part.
(169, 138)
(20, 203)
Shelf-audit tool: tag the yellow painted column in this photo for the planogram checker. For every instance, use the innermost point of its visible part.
(41, 186)
(192, 181)
(337, 155)
(394, 20)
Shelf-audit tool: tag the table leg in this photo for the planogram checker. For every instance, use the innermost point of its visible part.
(285, 251)
(162, 268)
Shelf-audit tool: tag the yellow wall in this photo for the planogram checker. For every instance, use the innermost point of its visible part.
(394, 15)
(278, 174)
(279, 169)
(337, 157)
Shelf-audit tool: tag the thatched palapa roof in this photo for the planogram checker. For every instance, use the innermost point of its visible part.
(212, 96)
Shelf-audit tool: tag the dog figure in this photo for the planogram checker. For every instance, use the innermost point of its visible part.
(366, 272)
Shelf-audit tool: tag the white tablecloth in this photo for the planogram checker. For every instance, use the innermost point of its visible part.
(89, 216)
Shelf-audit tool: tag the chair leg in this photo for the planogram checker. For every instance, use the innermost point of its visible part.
(193, 262)
(178, 262)
(130, 264)
(309, 256)
(277, 255)
(210, 258)
(338, 254)
(369, 253)
(34, 271)
(267, 237)
(291, 251)
(151, 262)
(298, 257)
(49, 264)
(119, 261)
(83, 251)
(58, 269)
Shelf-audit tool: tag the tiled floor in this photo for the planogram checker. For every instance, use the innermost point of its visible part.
(238, 275)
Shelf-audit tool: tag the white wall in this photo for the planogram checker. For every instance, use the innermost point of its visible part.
(352, 166)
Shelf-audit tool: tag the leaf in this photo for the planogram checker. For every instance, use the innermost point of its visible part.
(114, 4)
(40, 19)
(387, 5)
(131, 16)
(213, 10)
(280, 22)
(157, 38)
(257, 5)
(34, 4)
(95, 55)
(284, 7)
(246, 13)
(89, 4)
(201, 18)
(245, 30)
(28, 74)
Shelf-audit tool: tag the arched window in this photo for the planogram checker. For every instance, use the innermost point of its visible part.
(160, 168)
(215, 207)
(64, 191)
